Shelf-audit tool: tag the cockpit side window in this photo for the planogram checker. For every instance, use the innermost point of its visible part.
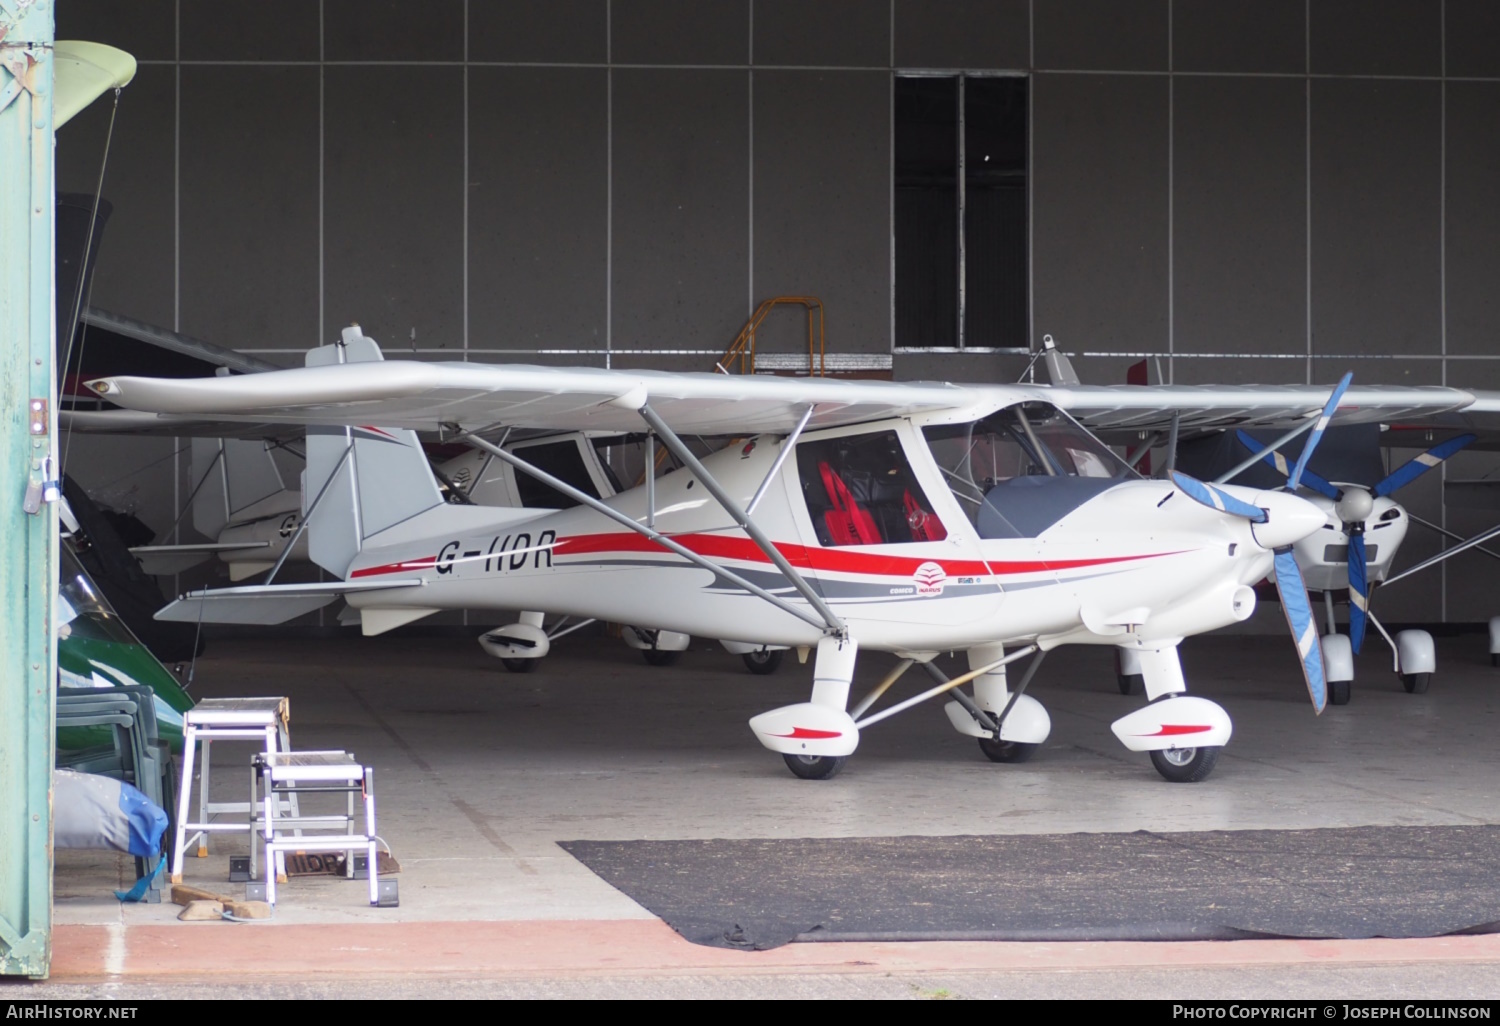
(1022, 469)
(860, 491)
(561, 460)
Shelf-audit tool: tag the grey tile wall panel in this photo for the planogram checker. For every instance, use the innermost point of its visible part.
(393, 205)
(249, 30)
(971, 368)
(1471, 575)
(822, 201)
(538, 207)
(134, 273)
(1240, 215)
(1376, 199)
(680, 31)
(249, 206)
(546, 31)
(388, 30)
(1377, 371)
(1472, 37)
(1101, 35)
(681, 207)
(146, 29)
(1473, 214)
(674, 362)
(1375, 37)
(970, 34)
(1245, 370)
(1099, 205)
(588, 359)
(822, 32)
(1261, 36)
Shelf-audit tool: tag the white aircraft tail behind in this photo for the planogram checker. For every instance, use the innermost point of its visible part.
(360, 481)
(232, 479)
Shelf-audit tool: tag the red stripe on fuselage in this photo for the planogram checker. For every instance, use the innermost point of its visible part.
(1173, 729)
(426, 563)
(807, 733)
(832, 560)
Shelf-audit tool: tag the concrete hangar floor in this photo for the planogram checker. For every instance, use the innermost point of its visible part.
(564, 832)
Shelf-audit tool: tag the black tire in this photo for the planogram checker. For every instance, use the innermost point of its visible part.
(763, 661)
(1340, 691)
(1006, 751)
(1415, 683)
(1186, 765)
(519, 665)
(1130, 683)
(660, 656)
(1495, 658)
(815, 767)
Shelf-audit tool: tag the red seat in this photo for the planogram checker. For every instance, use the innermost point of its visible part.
(925, 526)
(848, 522)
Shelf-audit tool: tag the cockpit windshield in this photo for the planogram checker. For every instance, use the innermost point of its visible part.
(1022, 469)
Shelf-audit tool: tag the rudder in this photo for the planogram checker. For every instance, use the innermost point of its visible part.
(363, 480)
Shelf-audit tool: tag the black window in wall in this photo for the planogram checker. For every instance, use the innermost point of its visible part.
(960, 205)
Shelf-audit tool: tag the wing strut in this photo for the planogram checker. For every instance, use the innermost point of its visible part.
(764, 543)
(1478, 539)
(667, 543)
(1245, 464)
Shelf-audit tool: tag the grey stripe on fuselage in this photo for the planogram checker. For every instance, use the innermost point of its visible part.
(844, 591)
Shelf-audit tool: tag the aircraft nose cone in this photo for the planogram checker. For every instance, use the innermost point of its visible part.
(1289, 519)
(1355, 505)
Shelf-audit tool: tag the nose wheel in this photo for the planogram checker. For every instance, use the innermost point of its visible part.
(1185, 765)
(763, 661)
(1006, 751)
(815, 767)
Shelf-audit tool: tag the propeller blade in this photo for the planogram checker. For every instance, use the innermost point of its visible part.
(1417, 466)
(1278, 463)
(1317, 432)
(1299, 617)
(1214, 498)
(1359, 591)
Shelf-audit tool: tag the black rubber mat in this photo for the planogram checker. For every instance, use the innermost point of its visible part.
(1354, 882)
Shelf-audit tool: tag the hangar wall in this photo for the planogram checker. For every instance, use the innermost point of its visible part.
(1244, 190)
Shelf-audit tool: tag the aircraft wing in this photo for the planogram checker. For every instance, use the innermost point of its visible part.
(1123, 412)
(427, 396)
(1480, 418)
(135, 422)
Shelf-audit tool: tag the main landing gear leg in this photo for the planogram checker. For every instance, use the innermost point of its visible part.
(1023, 723)
(1184, 735)
(817, 737)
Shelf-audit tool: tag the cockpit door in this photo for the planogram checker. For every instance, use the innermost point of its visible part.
(882, 535)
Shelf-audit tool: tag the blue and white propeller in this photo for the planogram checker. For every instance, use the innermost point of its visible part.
(1353, 504)
(1288, 576)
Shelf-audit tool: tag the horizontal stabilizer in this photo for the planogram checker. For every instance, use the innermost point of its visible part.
(266, 604)
(162, 560)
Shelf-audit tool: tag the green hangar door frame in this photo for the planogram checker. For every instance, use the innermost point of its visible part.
(42, 85)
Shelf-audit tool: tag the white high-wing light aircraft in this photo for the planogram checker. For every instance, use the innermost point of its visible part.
(905, 518)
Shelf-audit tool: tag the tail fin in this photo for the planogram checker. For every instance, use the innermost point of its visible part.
(360, 480)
